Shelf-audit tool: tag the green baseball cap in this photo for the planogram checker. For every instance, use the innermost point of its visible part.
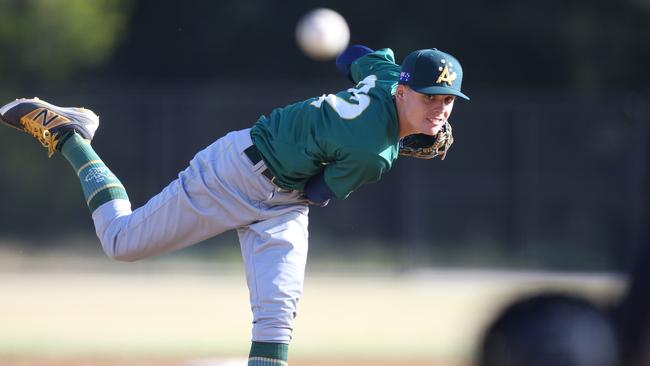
(431, 71)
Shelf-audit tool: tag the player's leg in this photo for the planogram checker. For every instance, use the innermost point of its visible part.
(204, 201)
(275, 253)
(73, 128)
(219, 191)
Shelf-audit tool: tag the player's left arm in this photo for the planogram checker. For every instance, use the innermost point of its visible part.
(340, 178)
(350, 172)
(317, 190)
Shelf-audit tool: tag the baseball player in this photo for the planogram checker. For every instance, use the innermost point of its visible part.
(261, 180)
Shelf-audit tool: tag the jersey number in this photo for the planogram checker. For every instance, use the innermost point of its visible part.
(355, 104)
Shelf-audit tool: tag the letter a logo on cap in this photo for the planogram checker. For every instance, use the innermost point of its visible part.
(433, 72)
(445, 76)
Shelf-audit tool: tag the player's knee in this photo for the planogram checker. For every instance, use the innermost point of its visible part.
(121, 257)
(113, 250)
(119, 247)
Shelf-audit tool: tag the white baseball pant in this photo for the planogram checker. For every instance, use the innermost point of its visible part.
(219, 191)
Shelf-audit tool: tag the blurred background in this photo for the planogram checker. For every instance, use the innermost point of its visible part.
(548, 173)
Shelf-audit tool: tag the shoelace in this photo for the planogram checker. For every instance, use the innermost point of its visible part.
(42, 134)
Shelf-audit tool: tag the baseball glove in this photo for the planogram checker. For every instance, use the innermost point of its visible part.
(427, 147)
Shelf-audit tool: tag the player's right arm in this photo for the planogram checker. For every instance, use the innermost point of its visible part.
(380, 63)
(346, 58)
(358, 61)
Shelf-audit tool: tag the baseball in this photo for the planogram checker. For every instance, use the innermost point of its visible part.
(322, 34)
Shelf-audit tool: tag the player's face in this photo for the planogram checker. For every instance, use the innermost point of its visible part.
(423, 113)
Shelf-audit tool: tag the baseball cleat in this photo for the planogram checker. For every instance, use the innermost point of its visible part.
(48, 123)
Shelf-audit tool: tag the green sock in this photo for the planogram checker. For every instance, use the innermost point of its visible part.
(98, 183)
(268, 354)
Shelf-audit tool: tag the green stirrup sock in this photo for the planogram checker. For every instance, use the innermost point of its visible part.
(268, 354)
(98, 183)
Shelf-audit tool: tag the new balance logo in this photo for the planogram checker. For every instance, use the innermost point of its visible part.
(46, 117)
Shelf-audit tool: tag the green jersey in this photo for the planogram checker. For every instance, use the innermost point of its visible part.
(352, 135)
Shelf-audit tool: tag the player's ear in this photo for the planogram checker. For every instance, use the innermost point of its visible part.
(401, 89)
